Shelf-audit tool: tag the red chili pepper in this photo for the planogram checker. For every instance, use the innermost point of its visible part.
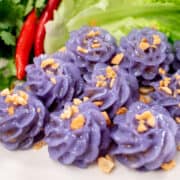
(40, 31)
(25, 43)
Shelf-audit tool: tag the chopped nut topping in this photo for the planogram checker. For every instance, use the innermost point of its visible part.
(117, 59)
(11, 110)
(95, 41)
(142, 127)
(165, 82)
(166, 90)
(98, 103)
(47, 62)
(67, 113)
(38, 110)
(77, 101)
(74, 109)
(63, 49)
(85, 98)
(39, 145)
(5, 92)
(144, 45)
(96, 45)
(177, 120)
(110, 73)
(101, 84)
(169, 165)
(92, 34)
(55, 66)
(112, 82)
(156, 39)
(121, 110)
(162, 71)
(106, 164)
(53, 80)
(23, 94)
(82, 50)
(146, 90)
(107, 118)
(78, 122)
(145, 99)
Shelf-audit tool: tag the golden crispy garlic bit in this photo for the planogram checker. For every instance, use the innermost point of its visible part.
(169, 165)
(106, 117)
(106, 164)
(117, 59)
(77, 122)
(121, 110)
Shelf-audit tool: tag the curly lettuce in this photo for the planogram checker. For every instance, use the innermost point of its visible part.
(118, 17)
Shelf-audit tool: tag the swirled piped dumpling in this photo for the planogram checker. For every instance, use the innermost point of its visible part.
(54, 79)
(111, 87)
(78, 134)
(144, 52)
(92, 45)
(176, 63)
(144, 137)
(22, 119)
(167, 93)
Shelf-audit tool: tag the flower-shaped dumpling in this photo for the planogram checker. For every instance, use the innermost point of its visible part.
(78, 134)
(176, 63)
(145, 51)
(167, 93)
(22, 119)
(91, 45)
(111, 87)
(144, 137)
(54, 79)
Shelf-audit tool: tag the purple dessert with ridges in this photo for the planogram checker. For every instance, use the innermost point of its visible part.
(144, 137)
(54, 79)
(78, 134)
(22, 119)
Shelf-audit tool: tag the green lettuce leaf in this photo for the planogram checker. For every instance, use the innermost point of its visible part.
(118, 17)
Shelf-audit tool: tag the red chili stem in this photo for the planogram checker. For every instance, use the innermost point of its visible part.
(24, 44)
(40, 31)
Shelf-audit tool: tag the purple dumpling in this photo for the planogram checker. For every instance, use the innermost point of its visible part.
(111, 87)
(167, 93)
(145, 51)
(54, 79)
(176, 63)
(144, 137)
(22, 119)
(91, 45)
(78, 134)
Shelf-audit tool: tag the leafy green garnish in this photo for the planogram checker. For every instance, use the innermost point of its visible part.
(118, 17)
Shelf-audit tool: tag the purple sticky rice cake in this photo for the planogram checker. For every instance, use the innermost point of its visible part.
(167, 93)
(22, 119)
(54, 79)
(91, 45)
(111, 87)
(144, 137)
(176, 63)
(78, 134)
(145, 51)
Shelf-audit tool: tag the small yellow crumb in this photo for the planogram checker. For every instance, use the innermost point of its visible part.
(82, 50)
(55, 66)
(112, 82)
(117, 59)
(5, 92)
(142, 127)
(106, 164)
(156, 39)
(96, 45)
(146, 90)
(77, 101)
(67, 113)
(47, 62)
(92, 34)
(145, 99)
(39, 145)
(106, 117)
(98, 103)
(177, 120)
(53, 80)
(121, 110)
(23, 94)
(85, 98)
(101, 84)
(169, 165)
(161, 71)
(144, 45)
(78, 122)
(11, 110)
(74, 109)
(110, 73)
(166, 90)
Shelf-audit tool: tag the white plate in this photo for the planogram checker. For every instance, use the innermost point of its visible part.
(36, 165)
